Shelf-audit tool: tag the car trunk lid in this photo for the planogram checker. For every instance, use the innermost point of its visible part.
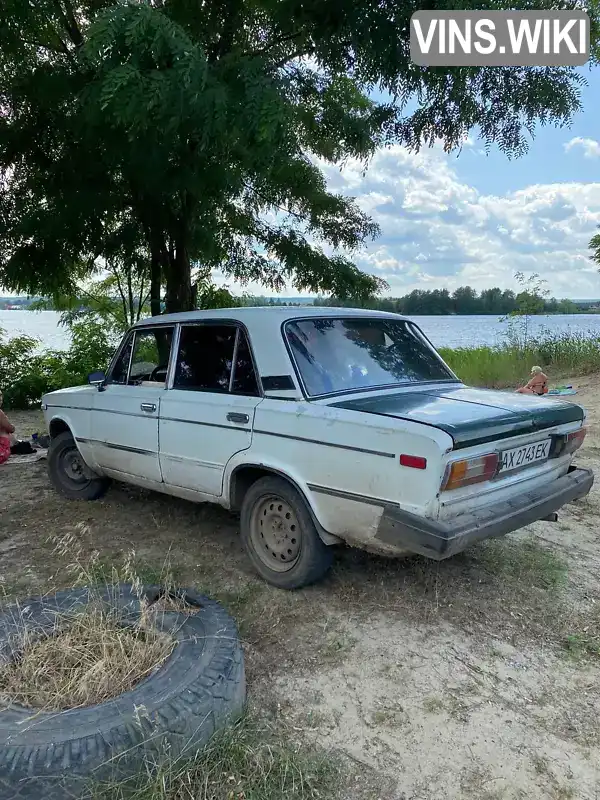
(470, 416)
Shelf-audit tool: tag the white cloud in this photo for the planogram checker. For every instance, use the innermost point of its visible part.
(440, 231)
(437, 231)
(590, 147)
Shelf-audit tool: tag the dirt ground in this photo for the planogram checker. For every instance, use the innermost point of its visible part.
(478, 677)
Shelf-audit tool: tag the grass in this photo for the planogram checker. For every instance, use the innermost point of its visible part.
(581, 639)
(508, 366)
(392, 716)
(248, 761)
(433, 704)
(579, 645)
(87, 658)
(524, 562)
(337, 646)
(87, 655)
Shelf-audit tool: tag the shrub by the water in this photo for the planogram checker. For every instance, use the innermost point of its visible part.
(26, 373)
(509, 366)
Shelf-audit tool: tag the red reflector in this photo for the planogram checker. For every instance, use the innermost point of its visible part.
(415, 462)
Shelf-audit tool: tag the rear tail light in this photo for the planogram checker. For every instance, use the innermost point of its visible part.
(470, 471)
(575, 440)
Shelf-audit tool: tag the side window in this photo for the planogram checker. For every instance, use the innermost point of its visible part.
(150, 360)
(121, 368)
(205, 361)
(244, 376)
(205, 358)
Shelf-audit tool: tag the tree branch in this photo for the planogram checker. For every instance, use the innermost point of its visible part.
(140, 301)
(225, 43)
(275, 43)
(296, 54)
(130, 310)
(69, 21)
(273, 204)
(51, 29)
(142, 304)
(121, 292)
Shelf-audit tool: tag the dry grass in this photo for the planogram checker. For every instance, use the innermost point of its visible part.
(89, 657)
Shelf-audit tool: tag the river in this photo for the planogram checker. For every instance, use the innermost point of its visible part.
(451, 331)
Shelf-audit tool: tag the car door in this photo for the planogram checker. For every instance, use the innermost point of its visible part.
(124, 425)
(208, 414)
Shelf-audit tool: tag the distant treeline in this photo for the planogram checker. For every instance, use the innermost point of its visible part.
(465, 300)
(16, 302)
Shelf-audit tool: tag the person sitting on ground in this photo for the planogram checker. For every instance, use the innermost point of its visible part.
(7, 437)
(537, 385)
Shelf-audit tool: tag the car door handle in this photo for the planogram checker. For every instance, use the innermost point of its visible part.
(148, 407)
(241, 418)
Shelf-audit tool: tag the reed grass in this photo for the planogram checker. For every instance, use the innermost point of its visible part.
(509, 365)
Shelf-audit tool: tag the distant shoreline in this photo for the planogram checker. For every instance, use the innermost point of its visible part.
(292, 302)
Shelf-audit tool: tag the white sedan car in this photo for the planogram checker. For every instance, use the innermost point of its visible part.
(320, 426)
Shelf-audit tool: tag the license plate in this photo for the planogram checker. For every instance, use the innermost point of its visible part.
(524, 456)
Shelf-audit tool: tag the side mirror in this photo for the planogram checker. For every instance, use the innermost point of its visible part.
(97, 379)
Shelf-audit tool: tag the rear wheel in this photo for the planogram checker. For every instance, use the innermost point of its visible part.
(69, 474)
(280, 536)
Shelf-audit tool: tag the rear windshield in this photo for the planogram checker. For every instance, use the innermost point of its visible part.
(337, 355)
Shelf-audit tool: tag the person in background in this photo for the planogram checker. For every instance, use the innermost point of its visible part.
(7, 437)
(538, 384)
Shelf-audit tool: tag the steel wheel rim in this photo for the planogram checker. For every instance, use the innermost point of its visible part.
(73, 467)
(275, 533)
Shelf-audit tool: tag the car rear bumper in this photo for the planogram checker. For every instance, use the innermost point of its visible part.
(439, 540)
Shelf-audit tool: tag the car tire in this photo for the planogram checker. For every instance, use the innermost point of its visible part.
(280, 536)
(172, 713)
(69, 474)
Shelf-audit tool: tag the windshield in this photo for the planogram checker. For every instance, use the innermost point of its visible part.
(337, 355)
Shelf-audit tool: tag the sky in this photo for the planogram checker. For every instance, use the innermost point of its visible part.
(477, 218)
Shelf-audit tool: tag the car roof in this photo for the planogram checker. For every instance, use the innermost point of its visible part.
(279, 313)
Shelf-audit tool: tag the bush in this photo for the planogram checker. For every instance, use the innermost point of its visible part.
(26, 373)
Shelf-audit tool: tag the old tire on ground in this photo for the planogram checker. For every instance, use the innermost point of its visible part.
(201, 686)
(280, 537)
(68, 472)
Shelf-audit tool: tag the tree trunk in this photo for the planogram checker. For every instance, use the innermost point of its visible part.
(155, 285)
(180, 296)
(179, 284)
(157, 262)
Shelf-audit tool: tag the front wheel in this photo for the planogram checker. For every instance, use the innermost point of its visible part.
(69, 474)
(280, 536)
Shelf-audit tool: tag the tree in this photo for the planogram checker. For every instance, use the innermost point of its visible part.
(531, 300)
(192, 133)
(595, 248)
(567, 306)
(491, 301)
(465, 300)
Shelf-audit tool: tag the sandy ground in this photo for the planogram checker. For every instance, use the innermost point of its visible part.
(478, 677)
